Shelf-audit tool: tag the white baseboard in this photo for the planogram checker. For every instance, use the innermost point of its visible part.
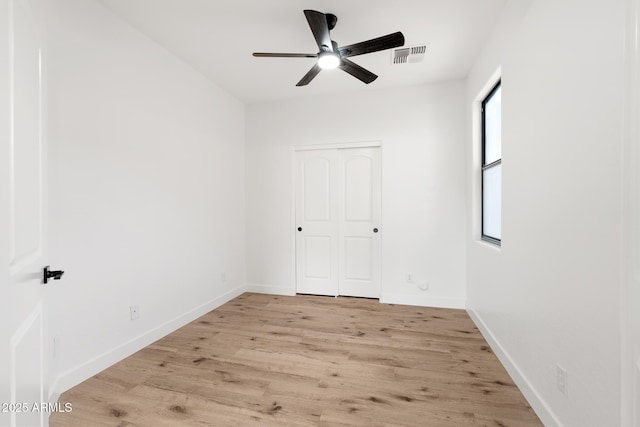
(423, 301)
(76, 375)
(271, 290)
(54, 395)
(538, 404)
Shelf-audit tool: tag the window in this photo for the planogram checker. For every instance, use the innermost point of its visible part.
(492, 165)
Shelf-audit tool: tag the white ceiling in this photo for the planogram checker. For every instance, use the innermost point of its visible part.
(217, 38)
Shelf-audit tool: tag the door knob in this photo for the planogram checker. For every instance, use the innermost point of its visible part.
(299, 228)
(51, 274)
(375, 230)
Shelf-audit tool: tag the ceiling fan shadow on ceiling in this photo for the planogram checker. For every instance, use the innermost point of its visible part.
(330, 55)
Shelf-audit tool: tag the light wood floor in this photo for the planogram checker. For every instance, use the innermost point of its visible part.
(307, 361)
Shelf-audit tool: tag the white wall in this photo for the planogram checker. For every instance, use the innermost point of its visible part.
(422, 132)
(550, 295)
(630, 289)
(147, 190)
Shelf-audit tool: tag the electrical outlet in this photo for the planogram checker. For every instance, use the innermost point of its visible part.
(409, 277)
(562, 380)
(135, 312)
(223, 277)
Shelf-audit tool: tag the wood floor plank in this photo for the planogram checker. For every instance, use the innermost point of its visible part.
(264, 360)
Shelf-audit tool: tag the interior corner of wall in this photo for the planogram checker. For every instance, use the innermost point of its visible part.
(270, 289)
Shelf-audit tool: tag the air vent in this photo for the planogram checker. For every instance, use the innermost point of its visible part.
(411, 54)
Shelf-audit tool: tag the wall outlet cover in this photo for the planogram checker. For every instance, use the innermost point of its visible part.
(135, 312)
(561, 380)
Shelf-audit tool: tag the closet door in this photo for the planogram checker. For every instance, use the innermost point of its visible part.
(316, 222)
(23, 193)
(359, 221)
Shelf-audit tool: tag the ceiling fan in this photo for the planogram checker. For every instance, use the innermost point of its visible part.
(330, 55)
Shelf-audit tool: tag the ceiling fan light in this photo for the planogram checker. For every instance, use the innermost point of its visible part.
(328, 60)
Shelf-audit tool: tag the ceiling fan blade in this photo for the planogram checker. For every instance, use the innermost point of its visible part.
(374, 45)
(320, 29)
(284, 55)
(357, 71)
(309, 76)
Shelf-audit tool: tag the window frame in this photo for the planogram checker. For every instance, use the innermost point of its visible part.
(484, 166)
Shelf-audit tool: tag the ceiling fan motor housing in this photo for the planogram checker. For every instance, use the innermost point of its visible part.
(332, 20)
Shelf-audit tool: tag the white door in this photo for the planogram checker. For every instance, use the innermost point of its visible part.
(338, 222)
(316, 222)
(359, 228)
(22, 207)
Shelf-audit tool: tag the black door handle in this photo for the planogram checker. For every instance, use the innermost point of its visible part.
(51, 274)
(299, 228)
(375, 230)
